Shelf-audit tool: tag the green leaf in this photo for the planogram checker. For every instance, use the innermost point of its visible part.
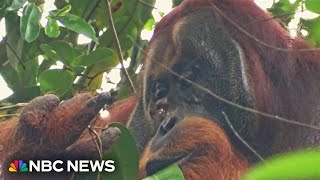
(284, 10)
(313, 5)
(171, 172)
(298, 165)
(29, 24)
(149, 24)
(57, 81)
(79, 25)
(16, 4)
(52, 28)
(99, 55)
(125, 154)
(313, 28)
(59, 50)
(60, 12)
(96, 71)
(49, 52)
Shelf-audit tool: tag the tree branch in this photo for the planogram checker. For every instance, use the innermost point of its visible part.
(120, 55)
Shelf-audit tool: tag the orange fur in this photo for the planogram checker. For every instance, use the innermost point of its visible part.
(45, 129)
(212, 156)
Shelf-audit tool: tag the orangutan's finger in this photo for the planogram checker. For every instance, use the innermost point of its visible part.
(32, 116)
(88, 146)
(71, 118)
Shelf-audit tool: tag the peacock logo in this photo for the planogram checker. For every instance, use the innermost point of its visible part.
(18, 166)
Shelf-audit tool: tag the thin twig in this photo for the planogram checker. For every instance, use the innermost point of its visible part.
(19, 105)
(8, 115)
(14, 52)
(209, 92)
(240, 138)
(101, 72)
(120, 55)
(126, 24)
(5, 63)
(147, 4)
(98, 143)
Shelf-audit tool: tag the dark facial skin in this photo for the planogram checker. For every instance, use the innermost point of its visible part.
(168, 99)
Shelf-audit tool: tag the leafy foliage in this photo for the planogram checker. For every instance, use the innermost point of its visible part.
(171, 172)
(29, 24)
(285, 11)
(125, 154)
(298, 165)
(30, 49)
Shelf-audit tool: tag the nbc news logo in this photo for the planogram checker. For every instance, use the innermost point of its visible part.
(18, 166)
(60, 166)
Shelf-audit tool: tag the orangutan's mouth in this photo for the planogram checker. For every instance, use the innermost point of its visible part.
(160, 111)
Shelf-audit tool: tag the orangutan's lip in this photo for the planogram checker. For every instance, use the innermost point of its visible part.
(156, 165)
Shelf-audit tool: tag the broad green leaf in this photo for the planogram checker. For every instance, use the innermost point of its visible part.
(52, 28)
(57, 81)
(59, 50)
(313, 28)
(46, 64)
(49, 52)
(16, 4)
(29, 24)
(60, 12)
(125, 154)
(95, 83)
(100, 55)
(313, 5)
(298, 165)
(96, 70)
(79, 25)
(172, 172)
